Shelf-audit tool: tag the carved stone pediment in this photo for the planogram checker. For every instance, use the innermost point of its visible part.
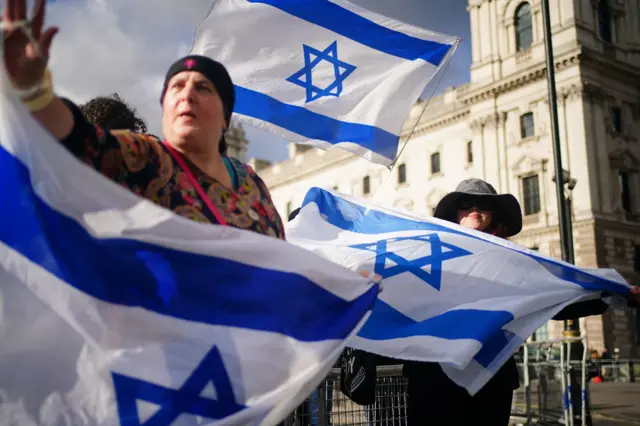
(526, 164)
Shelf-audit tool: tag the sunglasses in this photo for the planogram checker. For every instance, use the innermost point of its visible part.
(468, 203)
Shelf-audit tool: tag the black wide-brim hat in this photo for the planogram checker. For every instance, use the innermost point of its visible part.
(506, 207)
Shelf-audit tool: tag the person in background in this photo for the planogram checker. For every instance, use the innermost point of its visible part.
(185, 171)
(433, 398)
(112, 113)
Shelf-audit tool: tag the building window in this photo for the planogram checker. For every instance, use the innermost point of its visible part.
(469, 152)
(524, 27)
(625, 191)
(435, 163)
(604, 21)
(531, 195)
(289, 208)
(366, 185)
(527, 126)
(402, 173)
(616, 119)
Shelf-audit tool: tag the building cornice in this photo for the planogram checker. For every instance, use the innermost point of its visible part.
(445, 120)
(288, 171)
(523, 78)
(473, 95)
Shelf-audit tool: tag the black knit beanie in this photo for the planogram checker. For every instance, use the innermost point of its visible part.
(217, 74)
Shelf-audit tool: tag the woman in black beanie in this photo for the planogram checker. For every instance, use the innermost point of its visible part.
(187, 172)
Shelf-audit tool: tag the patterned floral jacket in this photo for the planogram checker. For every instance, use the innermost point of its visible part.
(142, 164)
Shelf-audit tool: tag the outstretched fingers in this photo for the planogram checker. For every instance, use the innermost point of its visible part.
(19, 10)
(46, 39)
(37, 20)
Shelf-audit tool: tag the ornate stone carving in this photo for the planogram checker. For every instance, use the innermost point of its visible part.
(573, 92)
(474, 4)
(490, 120)
(476, 125)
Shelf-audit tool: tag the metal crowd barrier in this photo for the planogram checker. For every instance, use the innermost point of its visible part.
(617, 370)
(545, 394)
(327, 406)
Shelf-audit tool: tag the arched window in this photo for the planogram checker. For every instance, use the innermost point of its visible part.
(524, 27)
(604, 20)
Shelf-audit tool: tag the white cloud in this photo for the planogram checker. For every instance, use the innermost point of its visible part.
(123, 46)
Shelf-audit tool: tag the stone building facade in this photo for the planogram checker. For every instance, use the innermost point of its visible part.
(237, 143)
(497, 127)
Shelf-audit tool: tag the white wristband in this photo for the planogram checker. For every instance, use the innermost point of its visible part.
(33, 90)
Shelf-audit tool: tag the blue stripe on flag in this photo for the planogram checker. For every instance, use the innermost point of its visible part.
(351, 217)
(169, 282)
(312, 125)
(337, 210)
(386, 323)
(351, 25)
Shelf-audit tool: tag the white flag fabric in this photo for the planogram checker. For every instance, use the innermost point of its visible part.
(450, 295)
(323, 72)
(114, 311)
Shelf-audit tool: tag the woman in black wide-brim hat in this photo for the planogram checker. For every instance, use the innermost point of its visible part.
(433, 398)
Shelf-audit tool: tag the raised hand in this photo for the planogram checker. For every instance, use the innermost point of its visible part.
(25, 56)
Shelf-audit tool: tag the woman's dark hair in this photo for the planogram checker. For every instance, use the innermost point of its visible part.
(112, 113)
(222, 146)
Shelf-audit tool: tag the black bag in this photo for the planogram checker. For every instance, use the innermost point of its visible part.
(358, 376)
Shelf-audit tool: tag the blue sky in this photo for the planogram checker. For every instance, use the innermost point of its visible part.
(102, 49)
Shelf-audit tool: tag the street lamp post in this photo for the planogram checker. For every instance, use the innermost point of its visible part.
(571, 326)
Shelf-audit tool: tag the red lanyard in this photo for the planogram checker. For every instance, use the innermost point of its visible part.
(206, 200)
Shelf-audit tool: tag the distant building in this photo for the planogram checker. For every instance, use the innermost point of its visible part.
(237, 142)
(497, 128)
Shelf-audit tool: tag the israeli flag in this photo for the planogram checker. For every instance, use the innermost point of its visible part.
(114, 311)
(450, 295)
(323, 72)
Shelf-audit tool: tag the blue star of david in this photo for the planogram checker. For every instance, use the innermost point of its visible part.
(440, 252)
(174, 402)
(304, 78)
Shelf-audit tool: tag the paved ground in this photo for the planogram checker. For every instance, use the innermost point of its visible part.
(612, 404)
(615, 404)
